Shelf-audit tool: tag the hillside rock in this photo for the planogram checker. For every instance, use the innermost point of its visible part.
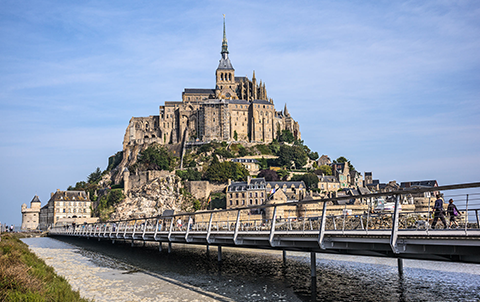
(153, 198)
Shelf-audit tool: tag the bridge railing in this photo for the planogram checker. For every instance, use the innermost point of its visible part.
(317, 217)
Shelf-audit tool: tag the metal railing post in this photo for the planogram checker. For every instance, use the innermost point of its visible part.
(272, 228)
(209, 228)
(394, 235)
(237, 224)
(156, 230)
(144, 228)
(171, 227)
(321, 232)
(466, 216)
(134, 229)
(188, 227)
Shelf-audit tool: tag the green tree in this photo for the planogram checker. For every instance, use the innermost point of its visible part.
(189, 174)
(156, 157)
(310, 180)
(263, 163)
(295, 154)
(222, 172)
(324, 169)
(313, 155)
(95, 177)
(283, 174)
(269, 175)
(285, 136)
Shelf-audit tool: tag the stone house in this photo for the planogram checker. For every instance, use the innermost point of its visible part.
(342, 172)
(328, 183)
(65, 205)
(246, 193)
(31, 216)
(324, 160)
(293, 190)
(255, 191)
(252, 165)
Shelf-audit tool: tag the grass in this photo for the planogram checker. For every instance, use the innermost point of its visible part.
(25, 277)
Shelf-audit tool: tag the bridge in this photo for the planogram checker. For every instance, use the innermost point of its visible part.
(315, 228)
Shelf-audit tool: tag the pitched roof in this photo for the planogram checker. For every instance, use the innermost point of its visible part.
(421, 183)
(289, 184)
(199, 91)
(35, 199)
(255, 184)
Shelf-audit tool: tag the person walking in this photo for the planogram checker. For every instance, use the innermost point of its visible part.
(438, 214)
(453, 212)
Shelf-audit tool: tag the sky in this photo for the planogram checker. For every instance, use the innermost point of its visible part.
(393, 86)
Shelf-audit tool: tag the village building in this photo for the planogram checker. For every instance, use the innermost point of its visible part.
(252, 165)
(328, 183)
(71, 206)
(255, 191)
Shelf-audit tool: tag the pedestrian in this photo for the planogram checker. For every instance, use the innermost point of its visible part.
(11, 228)
(179, 224)
(453, 212)
(438, 214)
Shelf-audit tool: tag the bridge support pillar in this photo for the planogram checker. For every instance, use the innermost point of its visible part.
(219, 253)
(160, 246)
(313, 274)
(131, 243)
(400, 266)
(208, 249)
(98, 239)
(284, 253)
(169, 247)
(113, 241)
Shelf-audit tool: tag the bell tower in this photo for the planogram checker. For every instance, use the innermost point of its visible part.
(225, 74)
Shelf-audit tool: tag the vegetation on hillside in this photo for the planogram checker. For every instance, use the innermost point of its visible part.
(25, 277)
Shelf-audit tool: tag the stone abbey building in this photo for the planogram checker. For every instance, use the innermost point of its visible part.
(237, 109)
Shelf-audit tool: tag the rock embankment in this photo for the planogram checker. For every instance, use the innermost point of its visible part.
(153, 198)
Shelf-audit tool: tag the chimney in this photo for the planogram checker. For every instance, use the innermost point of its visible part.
(51, 195)
(229, 181)
(88, 195)
(249, 179)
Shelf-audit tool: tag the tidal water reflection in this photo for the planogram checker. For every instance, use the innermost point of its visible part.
(118, 272)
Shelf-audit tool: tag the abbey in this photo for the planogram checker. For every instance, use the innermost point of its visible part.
(237, 109)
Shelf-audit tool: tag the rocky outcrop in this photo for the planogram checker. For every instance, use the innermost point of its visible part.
(153, 198)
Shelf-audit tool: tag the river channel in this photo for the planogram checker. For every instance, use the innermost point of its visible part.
(118, 272)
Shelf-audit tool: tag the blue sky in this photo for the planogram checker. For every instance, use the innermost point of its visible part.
(394, 86)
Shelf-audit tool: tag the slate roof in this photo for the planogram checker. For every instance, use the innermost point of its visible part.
(421, 183)
(69, 196)
(255, 184)
(35, 199)
(327, 178)
(199, 91)
(289, 184)
(225, 63)
(245, 160)
(261, 102)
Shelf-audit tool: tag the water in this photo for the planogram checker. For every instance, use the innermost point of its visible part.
(118, 272)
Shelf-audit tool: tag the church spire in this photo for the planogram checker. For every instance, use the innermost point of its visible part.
(285, 111)
(224, 41)
(224, 60)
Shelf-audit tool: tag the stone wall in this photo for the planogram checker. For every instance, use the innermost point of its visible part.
(136, 180)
